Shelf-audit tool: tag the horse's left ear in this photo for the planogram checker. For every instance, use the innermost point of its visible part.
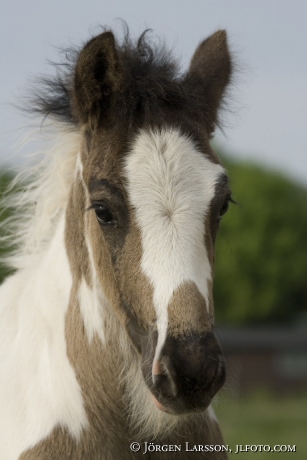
(210, 69)
(97, 78)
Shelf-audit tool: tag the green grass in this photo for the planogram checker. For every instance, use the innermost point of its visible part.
(263, 418)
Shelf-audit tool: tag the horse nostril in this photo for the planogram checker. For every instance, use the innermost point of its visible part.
(172, 375)
(157, 369)
(164, 377)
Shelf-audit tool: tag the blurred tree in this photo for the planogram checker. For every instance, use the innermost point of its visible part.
(5, 179)
(261, 267)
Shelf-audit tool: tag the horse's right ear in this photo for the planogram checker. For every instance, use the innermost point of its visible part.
(210, 70)
(97, 78)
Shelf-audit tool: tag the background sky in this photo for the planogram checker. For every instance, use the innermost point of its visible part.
(268, 39)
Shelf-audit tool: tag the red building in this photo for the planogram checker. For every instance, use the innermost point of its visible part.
(274, 358)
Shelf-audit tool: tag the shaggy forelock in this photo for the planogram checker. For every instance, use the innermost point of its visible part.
(153, 89)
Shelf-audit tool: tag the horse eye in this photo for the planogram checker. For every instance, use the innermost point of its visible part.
(103, 214)
(224, 208)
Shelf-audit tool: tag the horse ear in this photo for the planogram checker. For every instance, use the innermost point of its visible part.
(97, 78)
(210, 68)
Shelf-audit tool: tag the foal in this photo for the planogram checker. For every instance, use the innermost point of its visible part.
(107, 325)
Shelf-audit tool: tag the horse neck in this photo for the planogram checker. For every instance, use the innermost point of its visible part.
(97, 346)
(107, 367)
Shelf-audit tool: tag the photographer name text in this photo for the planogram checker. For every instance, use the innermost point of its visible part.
(148, 447)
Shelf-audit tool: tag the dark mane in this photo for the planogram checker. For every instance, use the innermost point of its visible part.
(153, 87)
(52, 95)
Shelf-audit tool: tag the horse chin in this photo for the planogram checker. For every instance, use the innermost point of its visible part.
(177, 406)
(159, 405)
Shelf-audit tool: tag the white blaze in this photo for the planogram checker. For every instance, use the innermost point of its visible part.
(171, 185)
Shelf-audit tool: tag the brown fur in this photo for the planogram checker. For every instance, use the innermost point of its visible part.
(212, 65)
(60, 446)
(188, 312)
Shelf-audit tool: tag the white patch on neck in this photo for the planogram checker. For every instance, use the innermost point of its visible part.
(38, 386)
(171, 185)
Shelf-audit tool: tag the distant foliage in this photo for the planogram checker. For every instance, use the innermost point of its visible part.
(5, 179)
(261, 266)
